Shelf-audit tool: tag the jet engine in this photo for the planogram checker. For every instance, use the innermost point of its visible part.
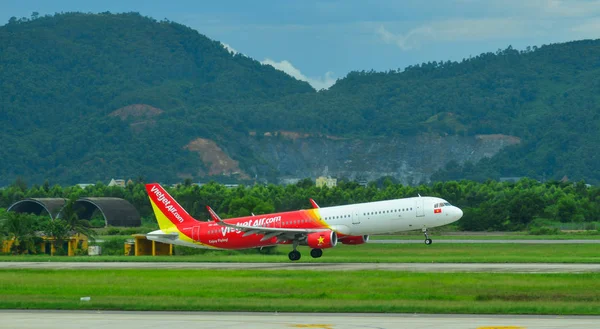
(354, 239)
(322, 240)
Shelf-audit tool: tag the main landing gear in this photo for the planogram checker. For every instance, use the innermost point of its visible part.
(428, 241)
(295, 254)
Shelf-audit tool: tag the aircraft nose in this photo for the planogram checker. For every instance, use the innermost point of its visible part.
(459, 213)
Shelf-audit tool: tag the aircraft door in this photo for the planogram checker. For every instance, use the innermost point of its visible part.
(419, 206)
(196, 233)
(355, 217)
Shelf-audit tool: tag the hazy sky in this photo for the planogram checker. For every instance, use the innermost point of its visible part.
(320, 41)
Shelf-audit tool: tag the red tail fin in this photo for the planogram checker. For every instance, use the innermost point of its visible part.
(166, 208)
(314, 204)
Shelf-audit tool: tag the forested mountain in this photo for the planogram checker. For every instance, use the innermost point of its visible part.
(548, 97)
(62, 76)
(87, 97)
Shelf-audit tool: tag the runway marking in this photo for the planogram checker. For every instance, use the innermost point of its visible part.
(503, 327)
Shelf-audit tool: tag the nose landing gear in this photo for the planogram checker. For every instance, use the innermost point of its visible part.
(428, 241)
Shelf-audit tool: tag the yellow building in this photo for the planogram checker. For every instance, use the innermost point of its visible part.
(144, 247)
(70, 246)
(326, 181)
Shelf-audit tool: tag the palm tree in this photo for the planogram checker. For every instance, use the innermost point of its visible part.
(59, 231)
(75, 225)
(21, 229)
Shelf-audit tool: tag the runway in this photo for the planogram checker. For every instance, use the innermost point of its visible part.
(33, 319)
(401, 267)
(395, 241)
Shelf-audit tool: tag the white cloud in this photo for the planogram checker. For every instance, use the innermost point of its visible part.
(563, 8)
(319, 83)
(229, 48)
(510, 20)
(456, 30)
(588, 29)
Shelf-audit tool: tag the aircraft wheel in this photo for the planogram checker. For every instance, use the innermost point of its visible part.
(316, 253)
(294, 255)
(428, 241)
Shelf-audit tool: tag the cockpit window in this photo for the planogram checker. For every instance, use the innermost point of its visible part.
(441, 204)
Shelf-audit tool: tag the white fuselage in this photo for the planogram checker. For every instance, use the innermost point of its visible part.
(390, 216)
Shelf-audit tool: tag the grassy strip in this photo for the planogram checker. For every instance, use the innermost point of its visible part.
(302, 291)
(379, 253)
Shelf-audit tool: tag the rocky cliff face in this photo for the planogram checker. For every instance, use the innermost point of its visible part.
(410, 160)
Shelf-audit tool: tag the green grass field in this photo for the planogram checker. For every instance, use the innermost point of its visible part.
(379, 253)
(301, 291)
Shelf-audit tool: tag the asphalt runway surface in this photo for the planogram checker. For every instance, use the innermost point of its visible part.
(402, 267)
(33, 319)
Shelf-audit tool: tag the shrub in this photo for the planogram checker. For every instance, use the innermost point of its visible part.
(113, 231)
(543, 230)
(113, 246)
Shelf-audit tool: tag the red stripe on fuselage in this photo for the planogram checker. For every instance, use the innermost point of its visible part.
(218, 236)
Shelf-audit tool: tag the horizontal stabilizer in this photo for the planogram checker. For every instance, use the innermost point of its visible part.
(170, 236)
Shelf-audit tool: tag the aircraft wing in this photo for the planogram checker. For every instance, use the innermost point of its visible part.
(268, 232)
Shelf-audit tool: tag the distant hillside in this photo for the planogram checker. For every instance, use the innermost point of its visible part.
(87, 97)
(547, 97)
(68, 80)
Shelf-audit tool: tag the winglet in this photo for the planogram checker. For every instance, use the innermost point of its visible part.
(314, 204)
(213, 214)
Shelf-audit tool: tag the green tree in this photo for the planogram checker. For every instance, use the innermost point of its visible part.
(69, 214)
(21, 228)
(59, 231)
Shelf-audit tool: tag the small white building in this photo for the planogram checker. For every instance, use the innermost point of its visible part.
(326, 181)
(117, 182)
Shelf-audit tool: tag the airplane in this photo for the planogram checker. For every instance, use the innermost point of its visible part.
(318, 228)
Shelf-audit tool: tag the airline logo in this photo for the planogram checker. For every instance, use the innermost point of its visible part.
(160, 197)
(321, 240)
(437, 210)
(262, 222)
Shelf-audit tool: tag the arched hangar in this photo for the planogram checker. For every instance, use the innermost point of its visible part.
(115, 211)
(39, 206)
